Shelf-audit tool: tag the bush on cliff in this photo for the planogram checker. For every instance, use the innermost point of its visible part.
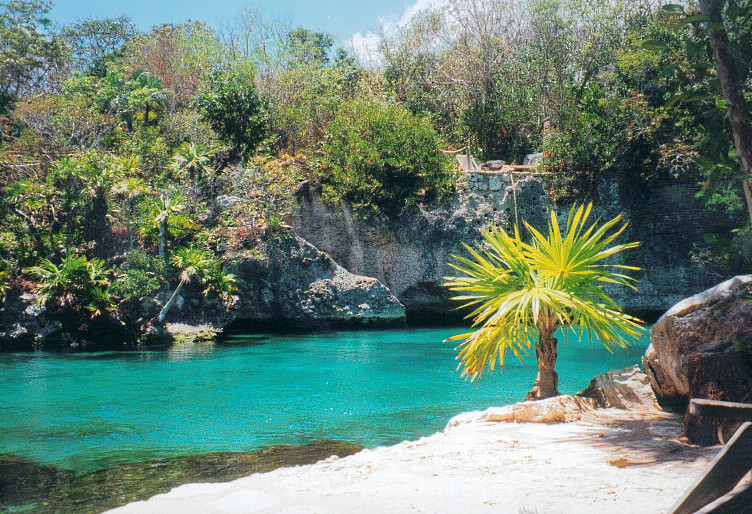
(377, 155)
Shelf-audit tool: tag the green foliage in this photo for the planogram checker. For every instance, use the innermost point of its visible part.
(141, 275)
(76, 281)
(308, 47)
(94, 42)
(235, 111)
(193, 160)
(518, 290)
(28, 54)
(378, 156)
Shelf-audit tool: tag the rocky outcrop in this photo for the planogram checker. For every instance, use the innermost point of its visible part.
(702, 346)
(627, 388)
(410, 255)
(296, 287)
(558, 409)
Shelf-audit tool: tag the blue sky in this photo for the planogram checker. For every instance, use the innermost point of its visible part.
(341, 18)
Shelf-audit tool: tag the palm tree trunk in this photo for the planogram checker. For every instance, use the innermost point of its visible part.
(171, 301)
(130, 227)
(161, 241)
(547, 382)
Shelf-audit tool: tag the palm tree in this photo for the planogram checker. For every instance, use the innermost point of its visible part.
(525, 291)
(129, 188)
(192, 262)
(193, 159)
(170, 206)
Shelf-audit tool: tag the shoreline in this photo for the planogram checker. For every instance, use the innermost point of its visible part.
(608, 460)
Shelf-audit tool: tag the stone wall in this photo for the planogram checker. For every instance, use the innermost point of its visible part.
(493, 181)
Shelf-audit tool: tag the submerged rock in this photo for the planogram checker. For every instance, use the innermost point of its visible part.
(29, 485)
(24, 482)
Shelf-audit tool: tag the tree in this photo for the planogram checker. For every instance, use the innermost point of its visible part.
(193, 159)
(378, 156)
(235, 111)
(308, 47)
(130, 188)
(168, 214)
(182, 56)
(28, 54)
(523, 291)
(94, 42)
(737, 106)
(192, 262)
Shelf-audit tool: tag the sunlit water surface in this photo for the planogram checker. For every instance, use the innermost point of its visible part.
(90, 411)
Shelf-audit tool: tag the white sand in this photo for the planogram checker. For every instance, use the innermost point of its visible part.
(609, 461)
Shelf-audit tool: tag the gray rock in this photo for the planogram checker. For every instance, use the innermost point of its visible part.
(410, 256)
(301, 287)
(627, 388)
(702, 346)
(224, 202)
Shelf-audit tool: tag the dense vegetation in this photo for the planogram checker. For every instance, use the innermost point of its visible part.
(119, 150)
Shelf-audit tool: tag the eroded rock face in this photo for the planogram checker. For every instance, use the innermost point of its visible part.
(702, 346)
(299, 285)
(410, 255)
(558, 409)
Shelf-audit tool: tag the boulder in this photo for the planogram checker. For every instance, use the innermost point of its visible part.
(627, 388)
(702, 346)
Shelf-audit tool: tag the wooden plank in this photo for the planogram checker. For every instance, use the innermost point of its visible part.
(738, 500)
(723, 473)
(731, 411)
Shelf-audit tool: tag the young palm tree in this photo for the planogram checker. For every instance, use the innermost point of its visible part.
(523, 292)
(193, 159)
(129, 188)
(192, 262)
(170, 207)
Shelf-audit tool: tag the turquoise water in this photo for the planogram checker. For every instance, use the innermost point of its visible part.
(90, 411)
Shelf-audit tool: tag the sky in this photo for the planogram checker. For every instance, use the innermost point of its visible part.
(347, 20)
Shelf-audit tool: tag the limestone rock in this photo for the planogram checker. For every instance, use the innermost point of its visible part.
(702, 346)
(224, 202)
(300, 286)
(559, 409)
(627, 388)
(410, 255)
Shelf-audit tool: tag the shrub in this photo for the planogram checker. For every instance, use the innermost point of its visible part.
(379, 156)
(140, 276)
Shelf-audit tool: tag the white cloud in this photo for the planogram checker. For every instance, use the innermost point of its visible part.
(365, 47)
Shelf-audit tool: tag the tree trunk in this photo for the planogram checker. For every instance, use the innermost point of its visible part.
(731, 88)
(130, 226)
(171, 301)
(161, 241)
(547, 382)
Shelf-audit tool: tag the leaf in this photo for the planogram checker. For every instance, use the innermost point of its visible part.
(673, 8)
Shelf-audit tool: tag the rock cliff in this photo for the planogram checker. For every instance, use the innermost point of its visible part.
(410, 255)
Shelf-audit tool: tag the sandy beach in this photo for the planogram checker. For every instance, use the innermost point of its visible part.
(610, 460)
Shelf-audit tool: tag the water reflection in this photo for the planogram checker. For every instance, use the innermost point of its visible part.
(191, 350)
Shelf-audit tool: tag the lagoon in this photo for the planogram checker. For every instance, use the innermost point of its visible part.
(90, 411)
